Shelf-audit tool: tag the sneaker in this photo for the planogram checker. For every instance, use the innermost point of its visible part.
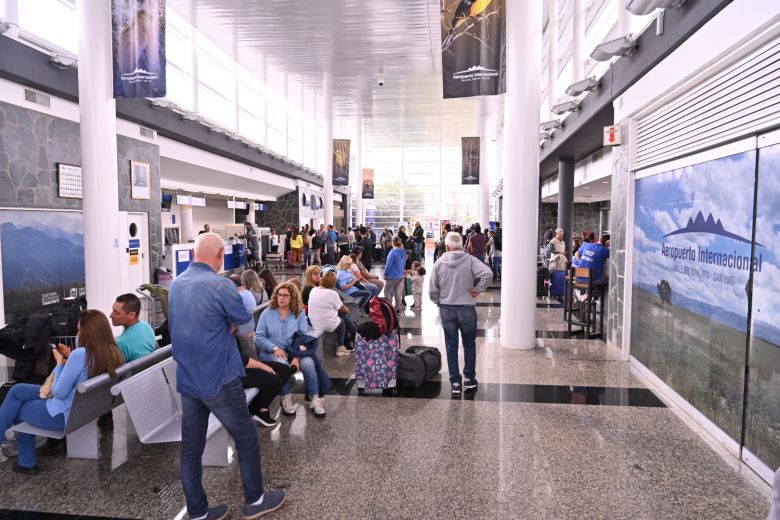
(287, 405)
(455, 389)
(272, 500)
(317, 406)
(342, 351)
(16, 468)
(215, 513)
(265, 419)
(470, 385)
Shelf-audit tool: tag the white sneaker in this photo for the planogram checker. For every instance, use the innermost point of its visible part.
(287, 405)
(342, 351)
(317, 406)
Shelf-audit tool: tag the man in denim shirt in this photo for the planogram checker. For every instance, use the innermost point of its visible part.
(203, 314)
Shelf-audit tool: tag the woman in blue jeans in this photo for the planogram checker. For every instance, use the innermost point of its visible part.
(347, 281)
(275, 328)
(99, 354)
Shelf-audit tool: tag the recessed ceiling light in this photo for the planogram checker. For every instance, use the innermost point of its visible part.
(586, 187)
(604, 182)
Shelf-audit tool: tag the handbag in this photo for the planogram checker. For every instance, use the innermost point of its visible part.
(360, 286)
(47, 387)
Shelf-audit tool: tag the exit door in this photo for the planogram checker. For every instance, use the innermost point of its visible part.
(135, 248)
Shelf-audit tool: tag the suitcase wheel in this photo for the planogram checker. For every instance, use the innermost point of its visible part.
(361, 391)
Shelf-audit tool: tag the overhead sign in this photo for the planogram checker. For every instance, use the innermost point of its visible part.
(611, 135)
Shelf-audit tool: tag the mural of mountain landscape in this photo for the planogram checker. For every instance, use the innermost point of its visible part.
(42, 259)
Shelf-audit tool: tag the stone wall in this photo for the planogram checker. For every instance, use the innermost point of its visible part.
(31, 145)
(613, 328)
(135, 150)
(281, 213)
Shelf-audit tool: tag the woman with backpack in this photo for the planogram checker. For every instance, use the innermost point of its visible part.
(97, 354)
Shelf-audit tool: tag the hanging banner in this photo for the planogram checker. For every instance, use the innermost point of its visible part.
(138, 38)
(368, 183)
(341, 162)
(470, 160)
(473, 47)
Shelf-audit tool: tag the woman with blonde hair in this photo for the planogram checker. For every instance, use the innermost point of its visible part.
(273, 336)
(97, 354)
(347, 282)
(255, 285)
(311, 279)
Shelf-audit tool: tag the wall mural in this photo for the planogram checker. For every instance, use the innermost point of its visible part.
(42, 259)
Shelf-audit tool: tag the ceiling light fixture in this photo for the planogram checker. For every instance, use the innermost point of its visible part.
(162, 103)
(623, 46)
(565, 107)
(549, 126)
(62, 62)
(590, 84)
(4, 26)
(643, 7)
(544, 136)
(191, 116)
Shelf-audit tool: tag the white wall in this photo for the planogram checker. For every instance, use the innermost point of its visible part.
(215, 213)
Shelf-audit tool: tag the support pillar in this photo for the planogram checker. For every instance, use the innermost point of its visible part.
(566, 201)
(97, 111)
(250, 216)
(484, 175)
(359, 165)
(327, 172)
(521, 182)
(10, 15)
(185, 216)
(552, 54)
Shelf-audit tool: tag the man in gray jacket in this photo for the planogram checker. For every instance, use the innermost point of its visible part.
(456, 281)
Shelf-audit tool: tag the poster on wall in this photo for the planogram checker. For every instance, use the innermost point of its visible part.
(341, 162)
(470, 160)
(138, 39)
(473, 47)
(368, 183)
(692, 260)
(42, 260)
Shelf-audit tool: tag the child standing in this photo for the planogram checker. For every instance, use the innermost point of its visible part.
(418, 279)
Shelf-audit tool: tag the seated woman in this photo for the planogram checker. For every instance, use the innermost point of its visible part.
(97, 355)
(283, 318)
(326, 312)
(366, 277)
(311, 279)
(269, 280)
(253, 284)
(347, 281)
(268, 377)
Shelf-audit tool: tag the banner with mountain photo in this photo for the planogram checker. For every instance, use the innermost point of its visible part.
(473, 47)
(341, 162)
(469, 160)
(42, 260)
(368, 183)
(138, 38)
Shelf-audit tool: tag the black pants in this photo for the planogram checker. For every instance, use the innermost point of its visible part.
(268, 384)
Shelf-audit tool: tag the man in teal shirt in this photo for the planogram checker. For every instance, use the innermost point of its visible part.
(138, 339)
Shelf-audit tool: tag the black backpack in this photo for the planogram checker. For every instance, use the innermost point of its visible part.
(497, 242)
(65, 321)
(316, 242)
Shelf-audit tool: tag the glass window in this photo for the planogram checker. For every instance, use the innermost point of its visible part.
(52, 21)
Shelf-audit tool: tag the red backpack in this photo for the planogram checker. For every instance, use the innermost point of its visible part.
(383, 314)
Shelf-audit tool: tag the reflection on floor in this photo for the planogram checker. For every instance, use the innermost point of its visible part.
(566, 430)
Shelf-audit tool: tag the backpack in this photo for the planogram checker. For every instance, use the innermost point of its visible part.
(417, 365)
(383, 314)
(497, 241)
(316, 242)
(65, 321)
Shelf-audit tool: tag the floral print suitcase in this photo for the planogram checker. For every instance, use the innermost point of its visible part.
(376, 362)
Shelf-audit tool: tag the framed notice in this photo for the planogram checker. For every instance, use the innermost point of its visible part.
(69, 177)
(140, 180)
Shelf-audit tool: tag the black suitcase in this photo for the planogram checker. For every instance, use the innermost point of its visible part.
(417, 365)
(541, 287)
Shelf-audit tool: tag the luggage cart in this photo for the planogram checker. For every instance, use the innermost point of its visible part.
(151, 308)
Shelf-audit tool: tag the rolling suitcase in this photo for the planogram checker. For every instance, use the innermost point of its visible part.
(376, 362)
(541, 283)
(557, 283)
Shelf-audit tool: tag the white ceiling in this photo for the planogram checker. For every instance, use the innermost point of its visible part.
(351, 40)
(594, 191)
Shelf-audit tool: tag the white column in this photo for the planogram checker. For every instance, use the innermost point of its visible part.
(10, 15)
(521, 182)
(251, 214)
(552, 56)
(624, 21)
(484, 175)
(97, 111)
(358, 189)
(194, 66)
(578, 33)
(327, 171)
(185, 216)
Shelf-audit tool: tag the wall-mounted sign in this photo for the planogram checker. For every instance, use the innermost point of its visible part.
(140, 180)
(69, 181)
(611, 135)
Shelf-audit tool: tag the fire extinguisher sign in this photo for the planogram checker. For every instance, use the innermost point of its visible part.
(611, 135)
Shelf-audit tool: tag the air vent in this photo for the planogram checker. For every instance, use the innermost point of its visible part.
(37, 98)
(146, 132)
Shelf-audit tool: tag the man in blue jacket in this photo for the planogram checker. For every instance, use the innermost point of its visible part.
(394, 274)
(204, 311)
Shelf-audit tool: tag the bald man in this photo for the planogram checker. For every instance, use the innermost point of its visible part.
(204, 311)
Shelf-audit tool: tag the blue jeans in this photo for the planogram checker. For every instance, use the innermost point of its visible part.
(418, 251)
(461, 318)
(346, 324)
(229, 406)
(23, 404)
(305, 256)
(372, 288)
(364, 296)
(309, 378)
(497, 266)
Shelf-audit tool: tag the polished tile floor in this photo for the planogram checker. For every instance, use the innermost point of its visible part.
(564, 431)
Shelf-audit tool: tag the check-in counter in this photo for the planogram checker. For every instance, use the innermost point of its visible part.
(178, 257)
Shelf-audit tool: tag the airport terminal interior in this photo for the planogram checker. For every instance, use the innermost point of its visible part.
(562, 217)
